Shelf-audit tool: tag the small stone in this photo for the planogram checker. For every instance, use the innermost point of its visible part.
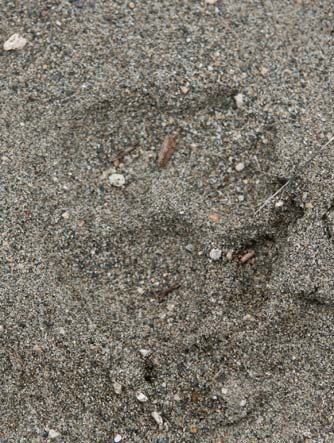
(239, 100)
(215, 254)
(53, 434)
(117, 388)
(131, 5)
(241, 198)
(263, 71)
(117, 180)
(38, 349)
(65, 215)
(1, 329)
(141, 397)
(117, 438)
(211, 2)
(184, 90)
(243, 403)
(308, 205)
(193, 429)
(145, 352)
(240, 166)
(16, 41)
(279, 204)
(214, 217)
(140, 291)
(248, 317)
(157, 418)
(189, 248)
(229, 255)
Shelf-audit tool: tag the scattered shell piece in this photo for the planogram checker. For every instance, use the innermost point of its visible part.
(243, 403)
(117, 388)
(247, 256)
(263, 71)
(189, 248)
(308, 205)
(240, 166)
(229, 255)
(214, 217)
(157, 417)
(141, 397)
(117, 438)
(279, 204)
(131, 5)
(248, 317)
(239, 100)
(145, 352)
(215, 254)
(65, 215)
(53, 434)
(184, 90)
(16, 41)
(38, 349)
(117, 180)
(211, 2)
(166, 151)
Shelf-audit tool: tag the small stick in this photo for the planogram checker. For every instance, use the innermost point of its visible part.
(293, 176)
(123, 154)
(247, 256)
(161, 295)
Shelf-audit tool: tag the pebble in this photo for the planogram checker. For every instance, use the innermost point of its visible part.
(117, 388)
(189, 248)
(229, 255)
(117, 180)
(184, 90)
(117, 438)
(16, 41)
(215, 254)
(248, 317)
(211, 2)
(144, 352)
(141, 397)
(279, 204)
(53, 434)
(239, 100)
(65, 215)
(240, 166)
(243, 403)
(157, 418)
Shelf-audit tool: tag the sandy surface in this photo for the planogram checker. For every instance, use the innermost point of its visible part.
(240, 352)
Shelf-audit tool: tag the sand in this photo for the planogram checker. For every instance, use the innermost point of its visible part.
(111, 295)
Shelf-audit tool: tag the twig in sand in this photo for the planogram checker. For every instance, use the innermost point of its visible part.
(166, 151)
(161, 295)
(293, 176)
(122, 154)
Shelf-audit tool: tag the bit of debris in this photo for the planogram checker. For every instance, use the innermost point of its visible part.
(248, 317)
(229, 255)
(240, 167)
(131, 5)
(161, 295)
(117, 388)
(16, 41)
(145, 352)
(239, 100)
(65, 215)
(117, 180)
(263, 71)
(157, 418)
(184, 90)
(247, 256)
(215, 254)
(214, 217)
(211, 2)
(308, 205)
(122, 154)
(117, 438)
(141, 397)
(166, 151)
(279, 204)
(189, 248)
(53, 434)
